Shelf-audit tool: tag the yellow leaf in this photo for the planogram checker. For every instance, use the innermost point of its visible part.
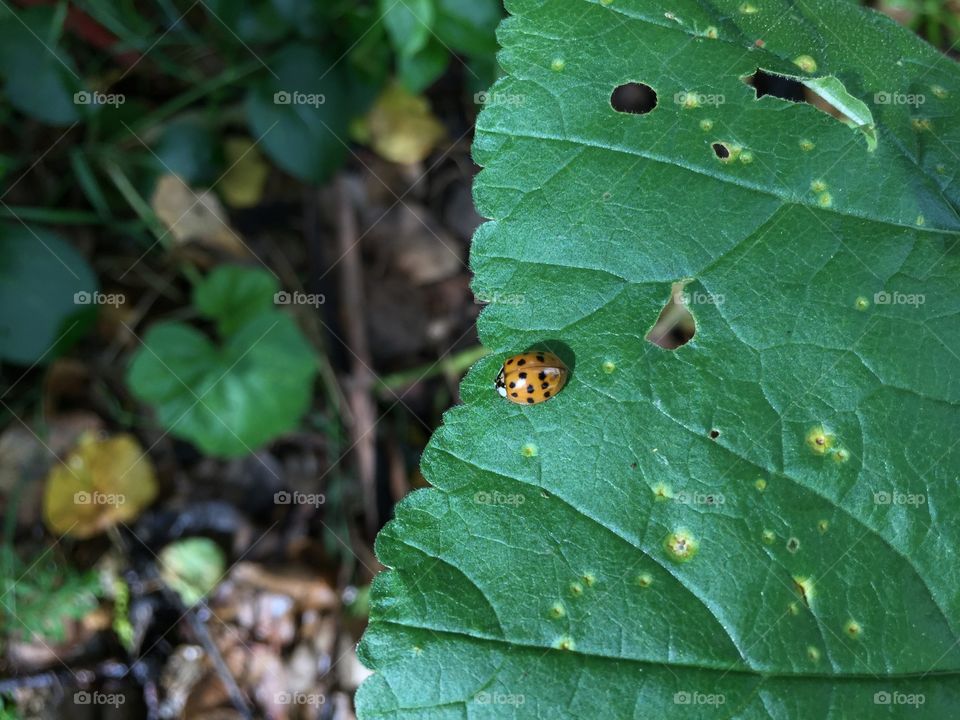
(401, 126)
(242, 184)
(194, 215)
(102, 482)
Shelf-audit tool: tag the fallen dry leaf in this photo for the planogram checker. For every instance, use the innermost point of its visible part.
(194, 215)
(242, 184)
(401, 126)
(102, 482)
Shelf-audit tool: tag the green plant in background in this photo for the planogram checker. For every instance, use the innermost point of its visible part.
(286, 78)
(192, 568)
(7, 713)
(39, 597)
(936, 20)
(763, 517)
(232, 396)
(46, 289)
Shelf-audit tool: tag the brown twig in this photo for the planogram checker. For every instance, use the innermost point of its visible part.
(360, 382)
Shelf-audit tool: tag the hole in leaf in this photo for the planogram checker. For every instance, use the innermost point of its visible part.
(634, 98)
(714, 434)
(721, 151)
(785, 88)
(827, 94)
(675, 327)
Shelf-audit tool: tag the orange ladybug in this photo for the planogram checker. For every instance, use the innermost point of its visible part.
(531, 377)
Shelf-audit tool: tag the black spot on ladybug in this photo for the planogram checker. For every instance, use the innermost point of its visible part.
(546, 394)
(539, 358)
(542, 375)
(521, 361)
(530, 400)
(523, 376)
(513, 384)
(514, 395)
(529, 388)
(544, 386)
(510, 361)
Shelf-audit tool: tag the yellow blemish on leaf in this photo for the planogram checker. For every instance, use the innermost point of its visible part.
(805, 63)
(804, 588)
(861, 303)
(644, 580)
(681, 545)
(558, 64)
(662, 492)
(820, 440)
(760, 484)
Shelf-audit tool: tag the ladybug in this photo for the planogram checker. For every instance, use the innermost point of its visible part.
(531, 377)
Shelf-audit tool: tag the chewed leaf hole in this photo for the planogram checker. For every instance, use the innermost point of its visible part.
(827, 94)
(785, 88)
(721, 150)
(634, 98)
(675, 327)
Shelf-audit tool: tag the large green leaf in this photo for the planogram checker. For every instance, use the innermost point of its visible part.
(817, 404)
(48, 294)
(232, 397)
(299, 111)
(40, 79)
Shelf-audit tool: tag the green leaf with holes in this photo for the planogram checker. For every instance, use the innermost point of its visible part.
(760, 523)
(232, 396)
